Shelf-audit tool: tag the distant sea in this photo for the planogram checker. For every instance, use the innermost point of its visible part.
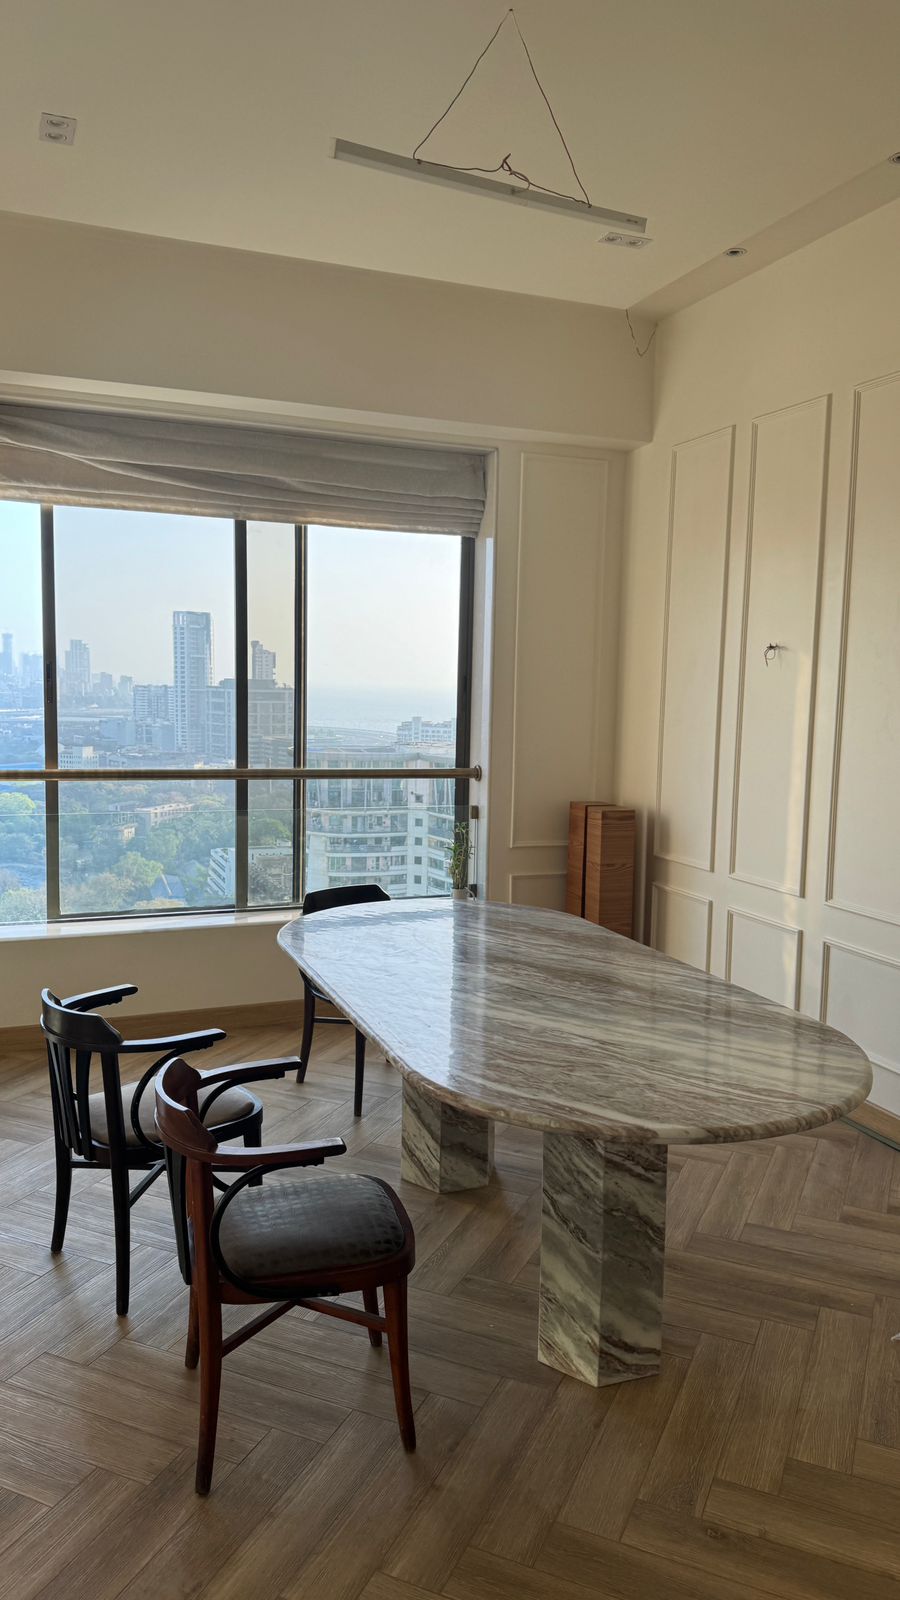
(378, 709)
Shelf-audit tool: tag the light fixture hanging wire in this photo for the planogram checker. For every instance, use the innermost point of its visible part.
(637, 347)
(504, 164)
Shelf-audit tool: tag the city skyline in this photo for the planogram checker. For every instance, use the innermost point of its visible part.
(383, 617)
(190, 716)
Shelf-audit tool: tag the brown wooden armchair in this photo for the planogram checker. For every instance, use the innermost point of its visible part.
(114, 1127)
(296, 1239)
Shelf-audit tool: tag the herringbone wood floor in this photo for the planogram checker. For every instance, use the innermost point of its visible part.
(765, 1460)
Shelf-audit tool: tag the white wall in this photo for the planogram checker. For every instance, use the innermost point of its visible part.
(91, 304)
(545, 386)
(767, 510)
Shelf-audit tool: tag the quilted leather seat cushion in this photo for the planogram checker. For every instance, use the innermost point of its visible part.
(303, 1221)
(229, 1106)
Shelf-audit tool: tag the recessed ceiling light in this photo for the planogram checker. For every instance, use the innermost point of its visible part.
(735, 250)
(895, 158)
(57, 129)
(628, 241)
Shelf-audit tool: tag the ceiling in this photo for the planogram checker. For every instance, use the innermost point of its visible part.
(762, 122)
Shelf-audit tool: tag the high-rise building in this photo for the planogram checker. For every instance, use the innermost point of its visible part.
(77, 670)
(395, 832)
(153, 702)
(7, 665)
(270, 723)
(262, 663)
(31, 667)
(220, 723)
(192, 643)
(418, 732)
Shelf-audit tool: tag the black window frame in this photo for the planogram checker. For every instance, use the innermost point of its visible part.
(461, 774)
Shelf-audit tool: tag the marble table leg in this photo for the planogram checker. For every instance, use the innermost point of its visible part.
(442, 1148)
(602, 1246)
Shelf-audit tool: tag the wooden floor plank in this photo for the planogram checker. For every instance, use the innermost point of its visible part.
(358, 1540)
(613, 1470)
(447, 1519)
(284, 1539)
(829, 1408)
(605, 1568)
(213, 1530)
(759, 1439)
(684, 1461)
(854, 1543)
(539, 1480)
(778, 1196)
(880, 1416)
(688, 1198)
(731, 1203)
(732, 1555)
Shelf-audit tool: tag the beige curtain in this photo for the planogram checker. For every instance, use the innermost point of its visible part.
(219, 469)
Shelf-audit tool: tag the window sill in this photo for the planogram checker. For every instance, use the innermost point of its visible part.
(12, 933)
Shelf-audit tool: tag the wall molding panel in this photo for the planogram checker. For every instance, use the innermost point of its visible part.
(764, 956)
(700, 494)
(863, 874)
(545, 889)
(559, 608)
(799, 854)
(861, 997)
(682, 925)
(782, 586)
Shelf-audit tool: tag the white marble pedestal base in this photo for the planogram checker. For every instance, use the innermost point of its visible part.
(442, 1148)
(602, 1247)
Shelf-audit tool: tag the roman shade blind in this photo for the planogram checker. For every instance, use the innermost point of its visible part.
(221, 469)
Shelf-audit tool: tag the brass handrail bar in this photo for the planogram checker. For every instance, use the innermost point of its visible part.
(221, 774)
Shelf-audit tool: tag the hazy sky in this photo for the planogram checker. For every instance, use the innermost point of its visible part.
(383, 607)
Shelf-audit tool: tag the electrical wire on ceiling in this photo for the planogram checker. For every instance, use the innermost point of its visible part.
(505, 164)
(637, 347)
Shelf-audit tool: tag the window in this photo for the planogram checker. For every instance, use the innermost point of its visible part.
(136, 644)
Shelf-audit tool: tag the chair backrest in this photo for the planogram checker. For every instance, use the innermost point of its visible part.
(189, 1148)
(352, 894)
(77, 1035)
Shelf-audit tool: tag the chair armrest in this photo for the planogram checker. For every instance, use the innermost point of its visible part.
(250, 1071)
(275, 1155)
(174, 1044)
(100, 997)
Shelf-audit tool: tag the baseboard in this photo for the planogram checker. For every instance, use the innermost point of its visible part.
(265, 1014)
(877, 1120)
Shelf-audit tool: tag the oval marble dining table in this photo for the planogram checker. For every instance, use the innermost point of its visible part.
(612, 1050)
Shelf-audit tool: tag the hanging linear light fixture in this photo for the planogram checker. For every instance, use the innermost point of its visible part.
(524, 191)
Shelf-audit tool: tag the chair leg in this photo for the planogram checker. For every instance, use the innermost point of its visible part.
(210, 1320)
(370, 1301)
(360, 1073)
(398, 1348)
(122, 1222)
(192, 1348)
(63, 1192)
(253, 1136)
(309, 1022)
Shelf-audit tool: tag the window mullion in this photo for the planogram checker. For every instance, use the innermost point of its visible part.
(464, 673)
(51, 719)
(300, 635)
(241, 716)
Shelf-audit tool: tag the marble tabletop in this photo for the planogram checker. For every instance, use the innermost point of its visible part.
(540, 1018)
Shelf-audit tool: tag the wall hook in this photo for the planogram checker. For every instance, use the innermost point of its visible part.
(770, 650)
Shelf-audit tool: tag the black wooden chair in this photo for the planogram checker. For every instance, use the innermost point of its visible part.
(353, 894)
(296, 1239)
(114, 1127)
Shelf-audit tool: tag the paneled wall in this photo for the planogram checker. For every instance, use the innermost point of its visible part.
(554, 653)
(759, 707)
